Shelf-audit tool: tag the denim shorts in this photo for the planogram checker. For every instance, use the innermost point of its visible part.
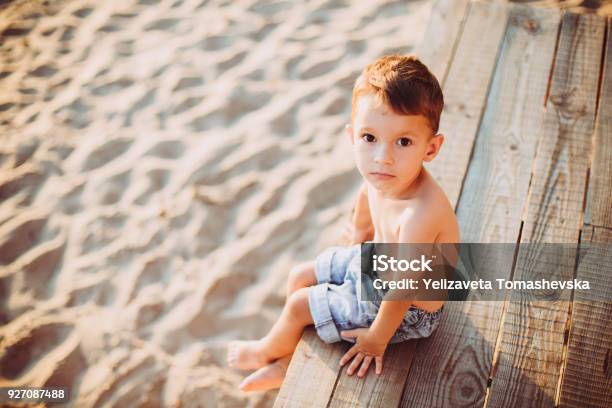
(334, 303)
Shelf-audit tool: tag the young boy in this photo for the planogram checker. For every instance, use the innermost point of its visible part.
(396, 108)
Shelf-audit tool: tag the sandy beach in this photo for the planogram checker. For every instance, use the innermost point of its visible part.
(163, 165)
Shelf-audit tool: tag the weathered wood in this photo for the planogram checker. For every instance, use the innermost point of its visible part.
(452, 367)
(586, 380)
(444, 29)
(529, 360)
(312, 373)
(599, 208)
(465, 93)
(373, 390)
(497, 181)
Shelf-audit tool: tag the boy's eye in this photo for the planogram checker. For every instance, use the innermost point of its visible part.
(368, 137)
(404, 141)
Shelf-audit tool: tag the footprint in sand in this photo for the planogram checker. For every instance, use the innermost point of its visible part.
(39, 266)
(264, 31)
(26, 180)
(232, 61)
(25, 151)
(148, 313)
(155, 270)
(187, 104)
(268, 9)
(241, 162)
(187, 83)
(215, 42)
(101, 293)
(157, 180)
(68, 368)
(338, 105)
(44, 71)
(243, 100)
(19, 235)
(112, 87)
(76, 114)
(284, 121)
(102, 231)
(23, 350)
(164, 24)
(147, 99)
(330, 191)
(112, 189)
(167, 149)
(82, 12)
(319, 69)
(106, 153)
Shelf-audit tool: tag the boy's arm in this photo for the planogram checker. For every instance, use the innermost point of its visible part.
(363, 230)
(418, 227)
(371, 343)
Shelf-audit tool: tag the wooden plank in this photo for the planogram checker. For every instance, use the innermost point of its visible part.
(444, 29)
(312, 373)
(529, 360)
(599, 209)
(373, 390)
(452, 367)
(470, 74)
(587, 381)
(310, 379)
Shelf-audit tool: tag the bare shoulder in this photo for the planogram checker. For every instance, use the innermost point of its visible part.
(433, 213)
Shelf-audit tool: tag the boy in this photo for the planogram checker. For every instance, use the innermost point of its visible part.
(396, 108)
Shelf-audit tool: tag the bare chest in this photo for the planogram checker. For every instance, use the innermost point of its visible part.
(386, 219)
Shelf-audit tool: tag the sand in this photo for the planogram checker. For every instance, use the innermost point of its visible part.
(163, 165)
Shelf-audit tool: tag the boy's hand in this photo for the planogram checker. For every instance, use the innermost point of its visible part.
(364, 351)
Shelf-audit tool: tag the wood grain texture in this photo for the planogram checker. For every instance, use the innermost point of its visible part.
(312, 373)
(372, 390)
(453, 368)
(465, 93)
(599, 207)
(444, 29)
(587, 379)
(531, 347)
(496, 185)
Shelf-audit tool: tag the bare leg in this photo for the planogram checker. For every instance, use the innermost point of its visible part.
(280, 341)
(301, 276)
(272, 375)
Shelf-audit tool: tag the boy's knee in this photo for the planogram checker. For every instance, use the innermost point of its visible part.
(300, 276)
(297, 305)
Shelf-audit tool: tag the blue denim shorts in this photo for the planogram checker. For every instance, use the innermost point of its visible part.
(335, 306)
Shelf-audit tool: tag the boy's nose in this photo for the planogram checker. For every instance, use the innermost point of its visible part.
(383, 155)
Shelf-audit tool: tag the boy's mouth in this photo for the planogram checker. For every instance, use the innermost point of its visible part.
(382, 176)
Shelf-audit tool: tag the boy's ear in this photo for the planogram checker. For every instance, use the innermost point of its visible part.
(434, 147)
(348, 128)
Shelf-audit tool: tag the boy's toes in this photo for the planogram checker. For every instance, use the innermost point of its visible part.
(245, 355)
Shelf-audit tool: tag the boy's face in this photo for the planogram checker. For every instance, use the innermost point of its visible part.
(390, 148)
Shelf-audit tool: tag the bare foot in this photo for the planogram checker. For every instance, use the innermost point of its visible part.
(246, 355)
(268, 377)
